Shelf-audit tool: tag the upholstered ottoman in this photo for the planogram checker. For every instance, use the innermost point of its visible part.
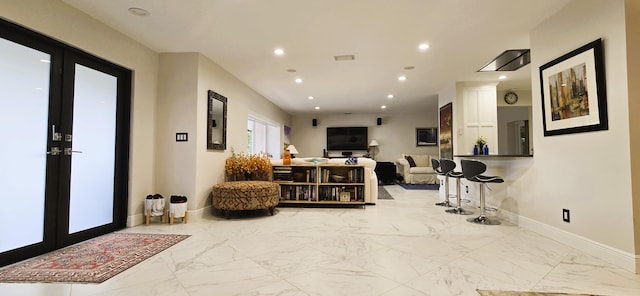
(245, 195)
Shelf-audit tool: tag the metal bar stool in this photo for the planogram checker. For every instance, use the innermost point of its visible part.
(472, 171)
(438, 169)
(449, 165)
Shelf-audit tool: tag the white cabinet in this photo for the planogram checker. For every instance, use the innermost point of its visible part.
(480, 117)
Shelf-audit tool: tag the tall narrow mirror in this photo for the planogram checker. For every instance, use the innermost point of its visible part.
(216, 121)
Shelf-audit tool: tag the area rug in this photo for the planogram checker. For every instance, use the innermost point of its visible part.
(92, 261)
(522, 293)
(383, 193)
(420, 186)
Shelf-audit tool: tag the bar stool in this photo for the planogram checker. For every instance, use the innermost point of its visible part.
(438, 169)
(472, 171)
(449, 166)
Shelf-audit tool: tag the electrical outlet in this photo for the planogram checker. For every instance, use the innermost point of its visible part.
(565, 216)
(466, 188)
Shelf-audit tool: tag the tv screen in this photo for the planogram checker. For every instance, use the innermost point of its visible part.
(347, 138)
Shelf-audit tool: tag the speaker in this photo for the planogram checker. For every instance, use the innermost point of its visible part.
(379, 121)
(314, 122)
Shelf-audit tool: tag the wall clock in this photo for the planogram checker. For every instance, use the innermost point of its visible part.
(510, 97)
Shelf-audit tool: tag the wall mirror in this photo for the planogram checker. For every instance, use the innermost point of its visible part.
(216, 121)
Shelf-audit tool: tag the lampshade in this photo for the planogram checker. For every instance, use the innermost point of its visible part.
(374, 143)
(292, 149)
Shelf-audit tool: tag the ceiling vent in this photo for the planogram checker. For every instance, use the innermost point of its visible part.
(346, 57)
(509, 60)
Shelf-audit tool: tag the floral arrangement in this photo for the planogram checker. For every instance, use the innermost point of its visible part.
(244, 166)
(481, 141)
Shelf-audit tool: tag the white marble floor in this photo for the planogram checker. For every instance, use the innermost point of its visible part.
(405, 246)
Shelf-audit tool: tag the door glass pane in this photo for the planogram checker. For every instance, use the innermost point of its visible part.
(24, 97)
(93, 159)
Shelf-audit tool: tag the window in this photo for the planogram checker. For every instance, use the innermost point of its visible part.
(263, 136)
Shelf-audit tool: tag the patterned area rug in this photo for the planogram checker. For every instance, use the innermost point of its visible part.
(92, 261)
(420, 186)
(520, 293)
(383, 193)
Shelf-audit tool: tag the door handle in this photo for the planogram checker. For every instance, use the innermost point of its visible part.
(55, 136)
(54, 151)
(68, 151)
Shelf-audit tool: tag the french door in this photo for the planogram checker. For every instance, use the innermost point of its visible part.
(64, 117)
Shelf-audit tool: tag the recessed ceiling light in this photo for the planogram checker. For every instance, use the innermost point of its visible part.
(409, 67)
(423, 46)
(291, 70)
(383, 107)
(298, 80)
(502, 77)
(310, 98)
(389, 96)
(139, 11)
(278, 51)
(317, 108)
(402, 78)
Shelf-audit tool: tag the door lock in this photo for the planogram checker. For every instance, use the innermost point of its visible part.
(54, 151)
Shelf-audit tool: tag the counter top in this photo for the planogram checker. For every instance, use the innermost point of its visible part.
(495, 156)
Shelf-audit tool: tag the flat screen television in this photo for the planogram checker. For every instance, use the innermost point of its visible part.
(347, 138)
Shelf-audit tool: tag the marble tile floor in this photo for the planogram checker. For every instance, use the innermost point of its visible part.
(400, 247)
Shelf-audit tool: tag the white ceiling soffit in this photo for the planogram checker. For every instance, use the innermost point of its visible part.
(241, 35)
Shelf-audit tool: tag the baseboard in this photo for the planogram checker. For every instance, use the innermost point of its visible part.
(194, 215)
(625, 260)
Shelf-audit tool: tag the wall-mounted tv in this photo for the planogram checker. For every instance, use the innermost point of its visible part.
(347, 138)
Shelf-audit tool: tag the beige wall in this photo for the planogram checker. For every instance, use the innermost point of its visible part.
(75, 28)
(188, 168)
(177, 108)
(242, 100)
(396, 135)
(588, 173)
(632, 11)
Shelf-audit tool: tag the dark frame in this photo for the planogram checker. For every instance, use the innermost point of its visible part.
(213, 121)
(446, 131)
(574, 96)
(426, 136)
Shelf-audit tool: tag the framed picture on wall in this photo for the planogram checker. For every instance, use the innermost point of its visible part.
(446, 131)
(573, 92)
(426, 136)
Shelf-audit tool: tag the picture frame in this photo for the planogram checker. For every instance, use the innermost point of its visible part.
(446, 131)
(574, 93)
(426, 136)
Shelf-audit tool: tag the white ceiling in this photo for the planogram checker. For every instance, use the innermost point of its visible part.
(240, 36)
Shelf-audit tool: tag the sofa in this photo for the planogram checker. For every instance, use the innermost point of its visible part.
(371, 193)
(416, 169)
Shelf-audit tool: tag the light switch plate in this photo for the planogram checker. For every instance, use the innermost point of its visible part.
(182, 137)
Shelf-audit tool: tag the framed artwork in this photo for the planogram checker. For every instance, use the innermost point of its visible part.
(573, 92)
(446, 131)
(426, 136)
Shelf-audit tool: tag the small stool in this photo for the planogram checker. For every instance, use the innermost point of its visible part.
(472, 171)
(154, 207)
(178, 208)
(437, 167)
(449, 165)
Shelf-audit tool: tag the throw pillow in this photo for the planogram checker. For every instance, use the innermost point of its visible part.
(410, 160)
